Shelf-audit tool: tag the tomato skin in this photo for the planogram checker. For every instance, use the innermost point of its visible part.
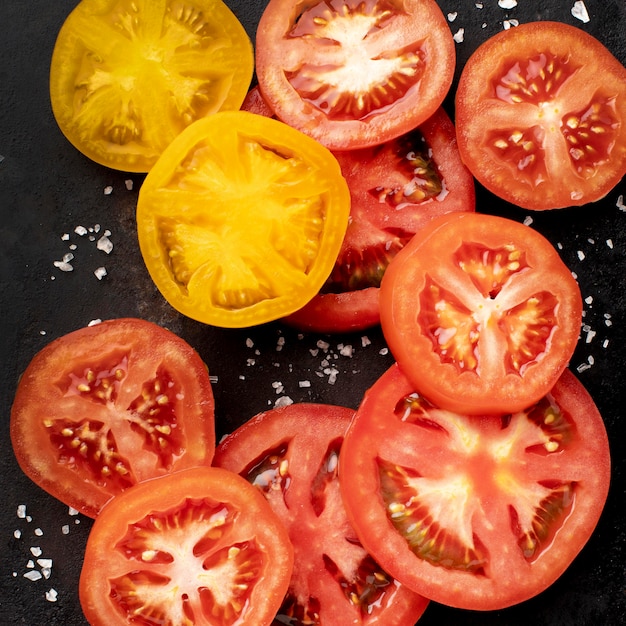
(386, 211)
(241, 219)
(156, 417)
(481, 313)
(136, 545)
(481, 488)
(333, 92)
(538, 137)
(126, 77)
(302, 441)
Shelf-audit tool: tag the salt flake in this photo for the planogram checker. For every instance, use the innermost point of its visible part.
(579, 11)
(507, 4)
(100, 272)
(52, 595)
(459, 35)
(452, 16)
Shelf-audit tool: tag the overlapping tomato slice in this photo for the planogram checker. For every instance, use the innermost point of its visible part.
(476, 512)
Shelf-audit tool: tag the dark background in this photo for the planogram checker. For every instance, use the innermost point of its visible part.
(47, 189)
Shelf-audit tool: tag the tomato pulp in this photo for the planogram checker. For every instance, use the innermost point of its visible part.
(290, 455)
(474, 512)
(109, 405)
(481, 313)
(200, 546)
(354, 73)
(541, 116)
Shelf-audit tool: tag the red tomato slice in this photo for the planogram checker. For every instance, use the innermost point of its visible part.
(481, 313)
(200, 546)
(291, 454)
(475, 513)
(395, 189)
(354, 73)
(541, 116)
(109, 405)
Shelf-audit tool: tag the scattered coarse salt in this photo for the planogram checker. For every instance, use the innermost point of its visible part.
(72, 511)
(332, 373)
(346, 350)
(365, 341)
(620, 203)
(589, 300)
(528, 220)
(581, 255)
(609, 243)
(21, 511)
(452, 16)
(249, 343)
(278, 386)
(81, 230)
(283, 401)
(94, 322)
(579, 11)
(65, 529)
(507, 24)
(64, 265)
(213, 379)
(38, 532)
(108, 190)
(129, 184)
(322, 345)
(383, 351)
(65, 237)
(507, 4)
(36, 551)
(303, 384)
(100, 272)
(251, 362)
(33, 575)
(52, 595)
(17, 533)
(280, 343)
(104, 243)
(478, 5)
(590, 335)
(459, 36)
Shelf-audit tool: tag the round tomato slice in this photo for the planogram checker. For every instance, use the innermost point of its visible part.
(475, 513)
(481, 313)
(109, 405)
(354, 73)
(241, 219)
(541, 116)
(200, 546)
(396, 188)
(290, 454)
(126, 77)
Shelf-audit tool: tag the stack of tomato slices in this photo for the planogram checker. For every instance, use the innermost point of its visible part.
(474, 470)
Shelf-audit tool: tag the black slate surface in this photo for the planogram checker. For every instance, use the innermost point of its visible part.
(47, 189)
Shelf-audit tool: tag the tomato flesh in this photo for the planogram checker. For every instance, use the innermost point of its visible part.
(396, 188)
(543, 126)
(98, 410)
(481, 313)
(127, 77)
(354, 74)
(474, 512)
(199, 546)
(241, 219)
(334, 579)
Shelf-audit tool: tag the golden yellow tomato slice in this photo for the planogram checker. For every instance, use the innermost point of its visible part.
(241, 219)
(127, 76)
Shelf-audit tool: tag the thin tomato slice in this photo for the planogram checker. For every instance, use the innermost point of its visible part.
(290, 455)
(200, 546)
(110, 405)
(354, 73)
(126, 77)
(475, 513)
(241, 219)
(481, 313)
(395, 189)
(541, 116)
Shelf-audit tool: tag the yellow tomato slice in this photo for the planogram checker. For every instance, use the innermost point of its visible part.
(127, 76)
(241, 219)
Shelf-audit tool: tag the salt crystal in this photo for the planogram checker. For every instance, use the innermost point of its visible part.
(581, 255)
(590, 335)
(33, 575)
(479, 5)
(304, 384)
(95, 322)
(579, 11)
(507, 24)
(365, 341)
(17, 533)
(620, 203)
(278, 386)
(249, 343)
(609, 243)
(459, 35)
(383, 351)
(65, 237)
(108, 190)
(81, 230)
(105, 244)
(346, 351)
(21, 511)
(100, 272)
(129, 184)
(283, 401)
(45, 563)
(322, 345)
(38, 532)
(52, 595)
(36, 551)
(452, 16)
(65, 529)
(528, 220)
(507, 4)
(72, 511)
(280, 343)
(589, 299)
